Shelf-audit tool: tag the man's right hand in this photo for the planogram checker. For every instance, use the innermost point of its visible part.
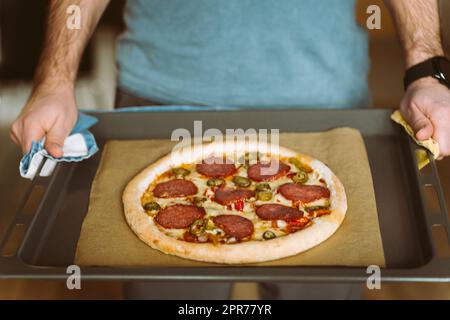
(48, 113)
(51, 111)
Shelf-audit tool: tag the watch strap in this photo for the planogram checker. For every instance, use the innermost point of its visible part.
(421, 70)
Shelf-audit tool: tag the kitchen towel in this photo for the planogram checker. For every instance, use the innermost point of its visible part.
(430, 144)
(79, 145)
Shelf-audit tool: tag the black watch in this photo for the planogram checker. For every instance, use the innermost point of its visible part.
(436, 67)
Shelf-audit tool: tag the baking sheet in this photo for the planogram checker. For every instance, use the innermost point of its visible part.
(106, 239)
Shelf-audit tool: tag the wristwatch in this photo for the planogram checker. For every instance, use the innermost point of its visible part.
(436, 67)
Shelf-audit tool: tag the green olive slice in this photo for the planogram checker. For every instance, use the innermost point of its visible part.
(152, 207)
(267, 235)
(215, 182)
(262, 186)
(241, 181)
(197, 227)
(198, 201)
(210, 225)
(300, 177)
(264, 195)
(180, 172)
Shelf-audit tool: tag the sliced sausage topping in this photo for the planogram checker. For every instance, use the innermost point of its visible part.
(268, 171)
(303, 193)
(234, 225)
(273, 211)
(179, 216)
(216, 167)
(226, 196)
(175, 188)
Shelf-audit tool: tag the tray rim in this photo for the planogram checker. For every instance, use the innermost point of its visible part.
(15, 268)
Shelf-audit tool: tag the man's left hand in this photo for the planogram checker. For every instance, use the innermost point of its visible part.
(426, 107)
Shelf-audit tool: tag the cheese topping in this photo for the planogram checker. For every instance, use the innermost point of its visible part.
(206, 193)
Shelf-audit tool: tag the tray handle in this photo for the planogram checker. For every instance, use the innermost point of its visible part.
(430, 179)
(15, 233)
(443, 212)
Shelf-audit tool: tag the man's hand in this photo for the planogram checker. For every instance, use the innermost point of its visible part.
(51, 111)
(426, 107)
(47, 114)
(426, 104)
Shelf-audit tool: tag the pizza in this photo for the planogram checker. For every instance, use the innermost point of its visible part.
(235, 203)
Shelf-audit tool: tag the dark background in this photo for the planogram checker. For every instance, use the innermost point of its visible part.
(22, 30)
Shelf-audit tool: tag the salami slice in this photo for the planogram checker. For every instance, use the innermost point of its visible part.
(175, 188)
(226, 196)
(234, 225)
(303, 193)
(216, 168)
(179, 216)
(276, 170)
(275, 211)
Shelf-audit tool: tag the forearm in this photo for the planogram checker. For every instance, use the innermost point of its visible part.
(64, 47)
(417, 23)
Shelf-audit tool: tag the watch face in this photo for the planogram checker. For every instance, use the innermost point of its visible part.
(443, 70)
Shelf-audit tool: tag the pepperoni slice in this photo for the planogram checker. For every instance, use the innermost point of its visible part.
(216, 167)
(226, 196)
(275, 168)
(175, 188)
(303, 193)
(179, 216)
(234, 225)
(275, 211)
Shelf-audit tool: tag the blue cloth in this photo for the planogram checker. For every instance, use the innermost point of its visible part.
(37, 152)
(245, 53)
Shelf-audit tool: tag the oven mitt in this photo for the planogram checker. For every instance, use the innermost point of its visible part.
(79, 145)
(430, 144)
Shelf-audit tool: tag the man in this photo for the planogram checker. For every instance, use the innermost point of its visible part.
(245, 53)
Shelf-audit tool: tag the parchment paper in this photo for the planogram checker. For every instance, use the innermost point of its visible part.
(106, 239)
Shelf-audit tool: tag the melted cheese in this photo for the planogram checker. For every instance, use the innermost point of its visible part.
(213, 208)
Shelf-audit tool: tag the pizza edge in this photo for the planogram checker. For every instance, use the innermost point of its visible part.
(246, 252)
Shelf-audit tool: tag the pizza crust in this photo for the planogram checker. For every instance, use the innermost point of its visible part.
(245, 252)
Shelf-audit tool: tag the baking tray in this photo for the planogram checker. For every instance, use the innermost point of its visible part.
(41, 241)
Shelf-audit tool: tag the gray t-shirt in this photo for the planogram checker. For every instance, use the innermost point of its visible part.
(245, 53)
